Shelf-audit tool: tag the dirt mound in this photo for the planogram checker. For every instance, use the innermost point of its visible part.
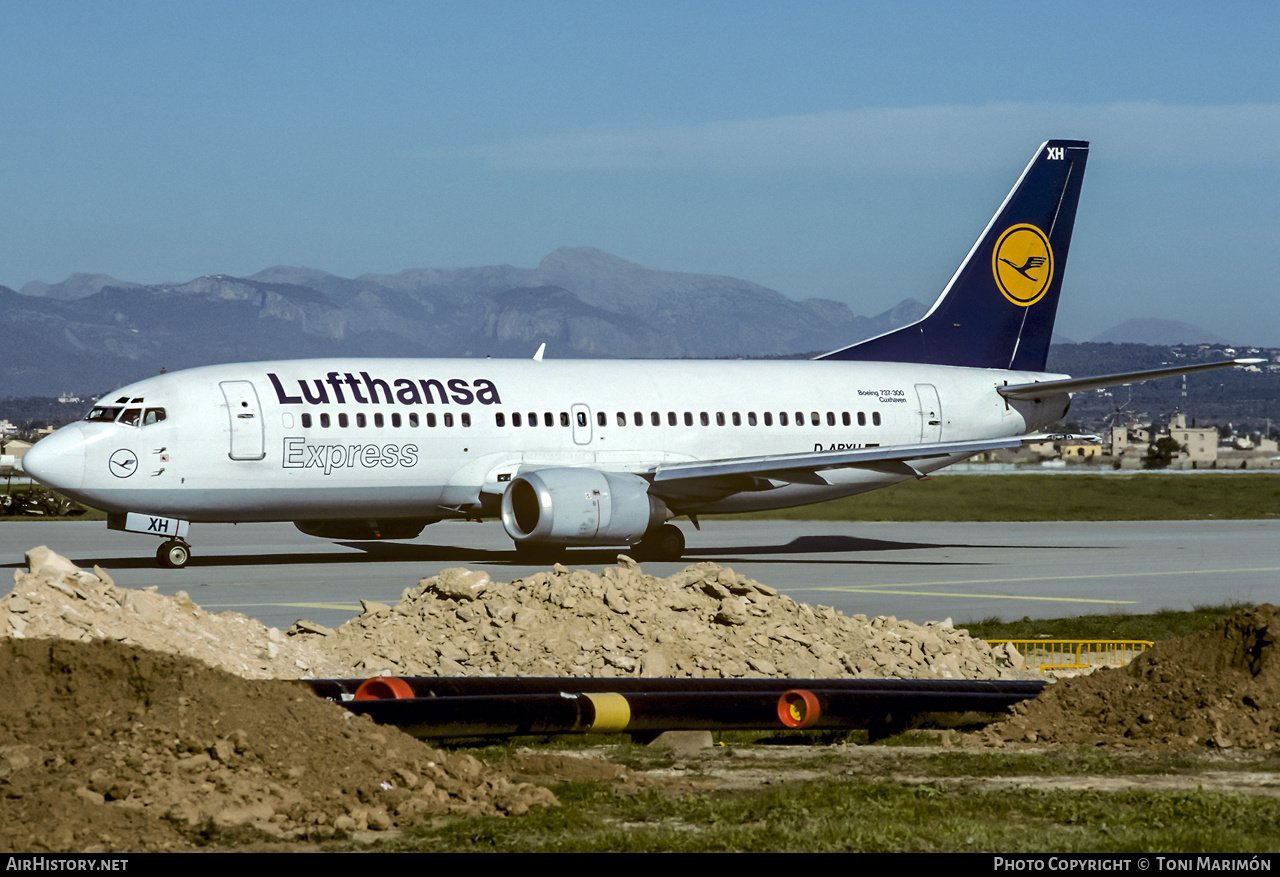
(1218, 688)
(105, 746)
(704, 622)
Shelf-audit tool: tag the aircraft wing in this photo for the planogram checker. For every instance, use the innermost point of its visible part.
(802, 467)
(1075, 385)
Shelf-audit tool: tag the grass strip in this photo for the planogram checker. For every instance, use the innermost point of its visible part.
(869, 816)
(1136, 497)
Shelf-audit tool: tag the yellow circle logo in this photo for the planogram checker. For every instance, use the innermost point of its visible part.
(1022, 263)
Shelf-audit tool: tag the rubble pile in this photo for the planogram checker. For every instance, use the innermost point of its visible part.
(705, 621)
(1219, 688)
(57, 599)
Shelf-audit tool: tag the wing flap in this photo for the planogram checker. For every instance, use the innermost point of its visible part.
(800, 468)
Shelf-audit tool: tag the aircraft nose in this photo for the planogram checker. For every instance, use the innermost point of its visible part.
(58, 460)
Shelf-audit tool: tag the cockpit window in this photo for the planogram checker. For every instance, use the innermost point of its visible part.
(131, 416)
(153, 415)
(103, 412)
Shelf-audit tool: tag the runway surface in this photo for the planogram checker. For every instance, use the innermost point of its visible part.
(917, 571)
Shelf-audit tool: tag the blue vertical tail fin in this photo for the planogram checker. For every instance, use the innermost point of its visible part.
(998, 309)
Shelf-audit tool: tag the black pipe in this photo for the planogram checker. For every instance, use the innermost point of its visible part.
(707, 704)
(472, 686)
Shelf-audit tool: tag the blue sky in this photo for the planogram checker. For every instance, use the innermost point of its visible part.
(843, 150)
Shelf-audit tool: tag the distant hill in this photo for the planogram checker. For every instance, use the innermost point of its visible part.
(1244, 397)
(75, 287)
(1153, 331)
(92, 332)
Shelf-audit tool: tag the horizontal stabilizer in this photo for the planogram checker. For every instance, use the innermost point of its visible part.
(1039, 389)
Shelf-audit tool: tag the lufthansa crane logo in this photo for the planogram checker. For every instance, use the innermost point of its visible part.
(123, 463)
(1022, 263)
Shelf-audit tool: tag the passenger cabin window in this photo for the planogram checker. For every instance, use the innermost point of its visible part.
(622, 418)
(875, 418)
(768, 418)
(688, 418)
(413, 421)
(655, 418)
(549, 419)
(343, 421)
(782, 418)
(582, 418)
(377, 420)
(862, 418)
(431, 421)
(360, 420)
(602, 419)
(639, 418)
(324, 421)
(500, 419)
(395, 421)
(515, 418)
(564, 418)
(737, 419)
(671, 419)
(448, 420)
(306, 421)
(466, 420)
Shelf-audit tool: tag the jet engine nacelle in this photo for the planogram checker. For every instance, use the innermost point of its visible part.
(579, 507)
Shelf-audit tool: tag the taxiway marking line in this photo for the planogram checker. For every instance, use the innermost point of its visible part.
(897, 589)
(236, 606)
(1115, 575)
(968, 595)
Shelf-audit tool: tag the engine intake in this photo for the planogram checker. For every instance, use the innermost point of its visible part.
(579, 507)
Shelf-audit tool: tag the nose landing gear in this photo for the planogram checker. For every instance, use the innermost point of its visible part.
(174, 552)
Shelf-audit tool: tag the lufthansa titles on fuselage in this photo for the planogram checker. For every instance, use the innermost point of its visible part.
(344, 387)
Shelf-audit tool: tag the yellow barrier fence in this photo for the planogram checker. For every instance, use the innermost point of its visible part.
(1075, 654)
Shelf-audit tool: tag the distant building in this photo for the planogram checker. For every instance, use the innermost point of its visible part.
(1130, 445)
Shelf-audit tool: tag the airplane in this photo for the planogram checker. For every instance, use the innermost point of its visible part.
(594, 453)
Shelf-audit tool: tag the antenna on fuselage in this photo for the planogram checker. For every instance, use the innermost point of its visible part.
(542, 348)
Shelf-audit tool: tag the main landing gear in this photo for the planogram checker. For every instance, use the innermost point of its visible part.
(173, 554)
(661, 543)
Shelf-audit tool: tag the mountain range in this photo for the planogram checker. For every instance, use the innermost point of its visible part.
(92, 332)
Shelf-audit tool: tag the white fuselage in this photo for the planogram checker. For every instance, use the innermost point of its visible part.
(317, 439)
